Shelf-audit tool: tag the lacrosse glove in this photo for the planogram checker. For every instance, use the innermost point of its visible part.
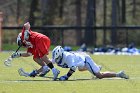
(33, 73)
(15, 55)
(63, 78)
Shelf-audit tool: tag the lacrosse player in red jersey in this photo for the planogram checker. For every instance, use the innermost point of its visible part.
(31, 51)
(38, 45)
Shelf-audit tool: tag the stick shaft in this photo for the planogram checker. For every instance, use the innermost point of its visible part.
(17, 49)
(26, 74)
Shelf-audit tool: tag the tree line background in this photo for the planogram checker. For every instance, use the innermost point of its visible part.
(75, 13)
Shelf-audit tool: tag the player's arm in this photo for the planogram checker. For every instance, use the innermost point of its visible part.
(70, 64)
(16, 55)
(70, 72)
(25, 54)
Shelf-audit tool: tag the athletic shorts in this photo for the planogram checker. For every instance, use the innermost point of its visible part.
(91, 65)
(33, 52)
(42, 47)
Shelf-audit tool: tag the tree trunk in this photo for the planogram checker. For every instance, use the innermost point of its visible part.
(123, 12)
(33, 8)
(61, 9)
(90, 34)
(78, 21)
(48, 13)
(104, 21)
(18, 11)
(134, 8)
(61, 6)
(114, 22)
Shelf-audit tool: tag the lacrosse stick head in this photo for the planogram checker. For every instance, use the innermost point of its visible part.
(8, 62)
(22, 72)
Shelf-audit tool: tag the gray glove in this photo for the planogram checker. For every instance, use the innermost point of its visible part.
(15, 55)
(63, 78)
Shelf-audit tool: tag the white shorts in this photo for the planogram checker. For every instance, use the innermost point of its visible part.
(91, 66)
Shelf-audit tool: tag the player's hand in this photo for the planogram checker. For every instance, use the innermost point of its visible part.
(33, 73)
(63, 78)
(15, 55)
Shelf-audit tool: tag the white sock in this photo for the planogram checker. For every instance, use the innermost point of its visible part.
(45, 68)
(117, 74)
(53, 70)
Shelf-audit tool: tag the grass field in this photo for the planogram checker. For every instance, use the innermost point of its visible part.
(80, 82)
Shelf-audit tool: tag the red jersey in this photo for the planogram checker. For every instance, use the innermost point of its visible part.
(39, 44)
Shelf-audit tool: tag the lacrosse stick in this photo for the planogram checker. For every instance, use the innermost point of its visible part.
(23, 73)
(8, 61)
(26, 74)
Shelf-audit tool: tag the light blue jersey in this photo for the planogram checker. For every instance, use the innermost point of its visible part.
(80, 60)
(71, 59)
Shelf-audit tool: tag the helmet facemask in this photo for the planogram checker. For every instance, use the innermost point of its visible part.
(57, 60)
(57, 54)
(19, 41)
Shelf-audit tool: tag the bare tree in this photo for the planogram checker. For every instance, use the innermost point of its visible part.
(134, 8)
(33, 8)
(104, 20)
(78, 21)
(18, 10)
(114, 22)
(90, 35)
(123, 18)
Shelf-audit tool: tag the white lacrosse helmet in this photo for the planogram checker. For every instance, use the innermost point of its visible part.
(57, 53)
(19, 41)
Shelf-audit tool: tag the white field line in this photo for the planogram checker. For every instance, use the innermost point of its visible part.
(84, 79)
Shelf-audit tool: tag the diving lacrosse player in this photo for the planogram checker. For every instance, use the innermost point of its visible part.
(37, 45)
(82, 62)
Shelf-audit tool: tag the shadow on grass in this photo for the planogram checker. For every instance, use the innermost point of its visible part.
(48, 79)
(43, 80)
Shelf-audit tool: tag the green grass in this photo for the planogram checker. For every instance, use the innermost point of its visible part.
(80, 82)
(11, 47)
